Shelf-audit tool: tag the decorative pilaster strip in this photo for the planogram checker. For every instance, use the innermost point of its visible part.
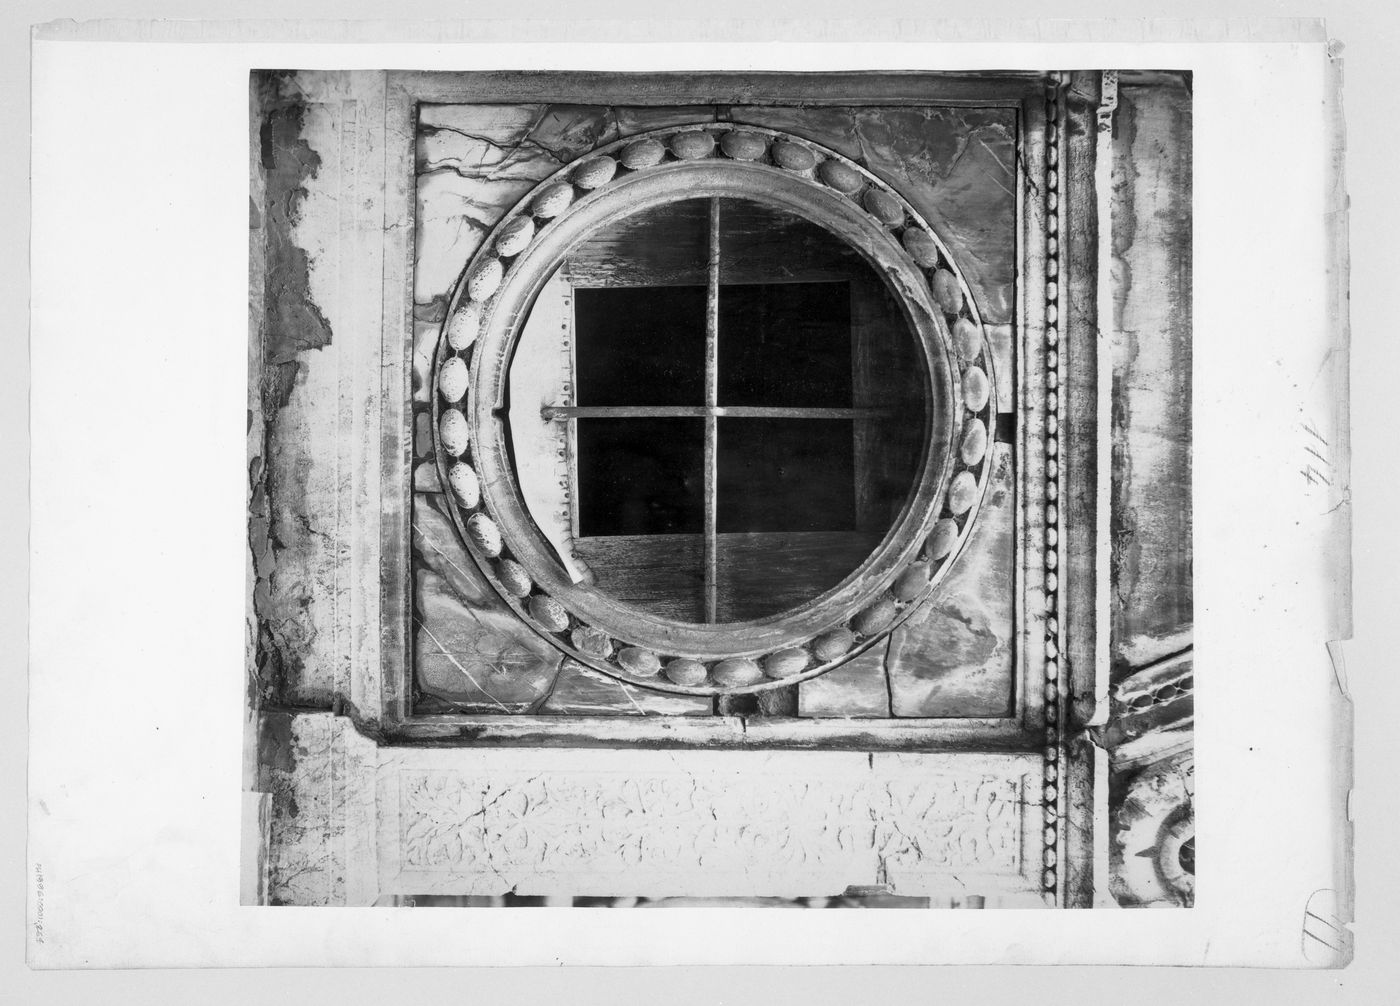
(1052, 796)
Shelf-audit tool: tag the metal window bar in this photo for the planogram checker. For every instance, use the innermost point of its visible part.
(711, 412)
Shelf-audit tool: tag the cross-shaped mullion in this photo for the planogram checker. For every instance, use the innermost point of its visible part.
(711, 412)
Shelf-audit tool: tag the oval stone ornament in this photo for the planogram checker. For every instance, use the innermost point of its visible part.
(912, 582)
(642, 663)
(594, 172)
(692, 145)
(682, 671)
(465, 485)
(875, 618)
(885, 207)
(549, 613)
(452, 428)
(841, 177)
(833, 645)
(976, 389)
(737, 672)
(515, 236)
(463, 326)
(947, 291)
(553, 200)
(594, 642)
(793, 156)
(486, 280)
(785, 663)
(642, 154)
(942, 539)
(962, 493)
(484, 534)
(967, 338)
(921, 247)
(513, 578)
(974, 442)
(452, 379)
(743, 146)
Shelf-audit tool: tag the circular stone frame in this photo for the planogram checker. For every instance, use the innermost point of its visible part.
(488, 308)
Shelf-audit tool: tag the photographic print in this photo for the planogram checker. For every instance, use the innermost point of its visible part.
(722, 488)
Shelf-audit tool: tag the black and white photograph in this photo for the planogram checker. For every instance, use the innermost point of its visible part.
(486, 470)
(761, 489)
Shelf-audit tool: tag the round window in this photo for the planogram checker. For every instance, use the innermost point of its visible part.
(714, 408)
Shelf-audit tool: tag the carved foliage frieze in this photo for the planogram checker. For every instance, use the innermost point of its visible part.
(506, 826)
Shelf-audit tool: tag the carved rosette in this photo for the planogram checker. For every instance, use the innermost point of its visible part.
(944, 523)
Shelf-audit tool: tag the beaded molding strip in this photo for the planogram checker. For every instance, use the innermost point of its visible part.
(945, 528)
(1051, 798)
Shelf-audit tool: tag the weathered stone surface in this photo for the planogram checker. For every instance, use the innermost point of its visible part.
(858, 687)
(478, 659)
(313, 354)
(318, 774)
(352, 821)
(425, 478)
(713, 822)
(582, 691)
(955, 165)
(953, 657)
(426, 332)
(1151, 522)
(469, 647)
(1000, 339)
(474, 163)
